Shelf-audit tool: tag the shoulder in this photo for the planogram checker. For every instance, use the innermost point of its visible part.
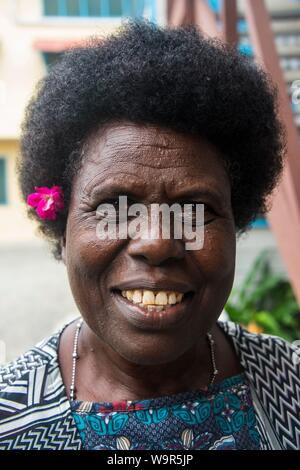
(40, 357)
(272, 367)
(263, 348)
(34, 408)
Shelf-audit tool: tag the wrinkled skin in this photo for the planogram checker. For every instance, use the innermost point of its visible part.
(119, 360)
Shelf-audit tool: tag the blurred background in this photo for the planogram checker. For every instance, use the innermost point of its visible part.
(35, 298)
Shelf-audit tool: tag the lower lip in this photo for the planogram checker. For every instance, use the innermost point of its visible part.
(141, 318)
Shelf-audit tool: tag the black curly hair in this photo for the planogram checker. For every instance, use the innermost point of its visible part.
(176, 78)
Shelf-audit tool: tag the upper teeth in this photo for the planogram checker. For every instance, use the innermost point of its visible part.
(151, 298)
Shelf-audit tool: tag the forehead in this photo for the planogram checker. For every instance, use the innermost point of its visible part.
(143, 153)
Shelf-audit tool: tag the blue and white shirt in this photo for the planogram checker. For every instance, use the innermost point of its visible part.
(35, 412)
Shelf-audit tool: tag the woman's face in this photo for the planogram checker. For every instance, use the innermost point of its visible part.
(149, 164)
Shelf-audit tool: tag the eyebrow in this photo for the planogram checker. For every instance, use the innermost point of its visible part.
(196, 191)
(116, 187)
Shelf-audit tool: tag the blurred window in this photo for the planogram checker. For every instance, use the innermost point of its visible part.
(260, 222)
(51, 57)
(215, 5)
(3, 183)
(96, 8)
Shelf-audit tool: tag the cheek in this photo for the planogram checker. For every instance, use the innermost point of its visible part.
(87, 261)
(217, 257)
(216, 263)
(85, 251)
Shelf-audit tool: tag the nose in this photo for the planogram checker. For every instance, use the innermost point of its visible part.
(157, 251)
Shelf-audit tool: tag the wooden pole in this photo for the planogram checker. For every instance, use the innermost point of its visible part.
(206, 19)
(229, 17)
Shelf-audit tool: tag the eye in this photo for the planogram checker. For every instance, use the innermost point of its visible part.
(110, 208)
(107, 208)
(209, 214)
(113, 202)
(195, 216)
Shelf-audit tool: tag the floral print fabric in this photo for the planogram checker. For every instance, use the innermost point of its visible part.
(223, 418)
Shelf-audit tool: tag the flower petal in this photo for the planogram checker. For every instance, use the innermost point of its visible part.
(43, 190)
(57, 197)
(47, 201)
(33, 199)
(46, 210)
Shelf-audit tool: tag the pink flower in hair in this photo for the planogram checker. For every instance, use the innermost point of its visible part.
(47, 201)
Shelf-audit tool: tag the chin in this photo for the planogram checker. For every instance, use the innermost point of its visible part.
(152, 351)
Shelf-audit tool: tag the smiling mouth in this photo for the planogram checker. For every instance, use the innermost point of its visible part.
(154, 300)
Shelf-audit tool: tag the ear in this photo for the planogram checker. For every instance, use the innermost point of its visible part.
(63, 248)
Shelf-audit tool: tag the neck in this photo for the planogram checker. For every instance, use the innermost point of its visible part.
(110, 374)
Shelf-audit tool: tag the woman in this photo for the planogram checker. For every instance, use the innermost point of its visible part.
(159, 116)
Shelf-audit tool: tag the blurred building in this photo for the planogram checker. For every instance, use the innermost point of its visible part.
(285, 21)
(285, 24)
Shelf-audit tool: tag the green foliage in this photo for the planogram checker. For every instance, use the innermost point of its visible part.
(266, 300)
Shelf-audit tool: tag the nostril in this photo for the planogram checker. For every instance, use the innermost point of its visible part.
(156, 251)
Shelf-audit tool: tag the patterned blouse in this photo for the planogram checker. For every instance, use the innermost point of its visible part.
(35, 411)
(223, 418)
